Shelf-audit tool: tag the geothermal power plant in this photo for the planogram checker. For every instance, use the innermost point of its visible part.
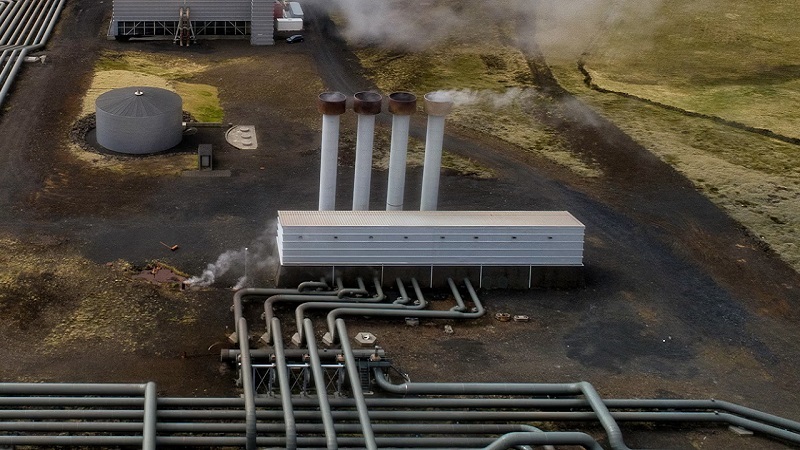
(306, 353)
(517, 249)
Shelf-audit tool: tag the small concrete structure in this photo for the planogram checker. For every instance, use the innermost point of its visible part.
(205, 157)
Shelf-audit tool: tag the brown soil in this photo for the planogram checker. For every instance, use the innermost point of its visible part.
(680, 301)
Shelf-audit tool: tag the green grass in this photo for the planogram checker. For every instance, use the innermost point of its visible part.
(733, 59)
(481, 69)
(201, 100)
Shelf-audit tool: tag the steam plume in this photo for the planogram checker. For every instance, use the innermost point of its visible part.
(564, 26)
(254, 260)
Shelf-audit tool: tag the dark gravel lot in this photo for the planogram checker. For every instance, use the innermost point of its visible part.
(680, 301)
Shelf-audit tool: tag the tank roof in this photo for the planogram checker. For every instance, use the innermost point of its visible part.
(138, 101)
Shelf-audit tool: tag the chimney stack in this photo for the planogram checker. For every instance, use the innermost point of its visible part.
(401, 105)
(437, 106)
(331, 105)
(366, 105)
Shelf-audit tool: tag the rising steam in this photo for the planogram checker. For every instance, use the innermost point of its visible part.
(567, 27)
(246, 262)
(496, 100)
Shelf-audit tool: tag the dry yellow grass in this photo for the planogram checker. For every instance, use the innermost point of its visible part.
(115, 70)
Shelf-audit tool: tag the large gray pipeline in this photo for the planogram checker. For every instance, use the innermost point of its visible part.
(319, 383)
(29, 44)
(286, 391)
(248, 386)
(342, 294)
(478, 311)
(580, 388)
(355, 386)
(563, 438)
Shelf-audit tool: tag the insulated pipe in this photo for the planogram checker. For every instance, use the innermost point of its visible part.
(327, 338)
(331, 105)
(559, 438)
(39, 43)
(319, 383)
(269, 312)
(286, 390)
(584, 388)
(71, 389)
(291, 353)
(247, 384)
(355, 386)
(333, 316)
(437, 105)
(366, 105)
(150, 417)
(241, 294)
(457, 295)
(401, 105)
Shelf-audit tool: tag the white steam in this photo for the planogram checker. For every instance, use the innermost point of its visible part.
(568, 27)
(493, 99)
(246, 263)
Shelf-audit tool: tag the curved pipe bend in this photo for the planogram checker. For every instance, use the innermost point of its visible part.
(269, 312)
(479, 311)
(544, 438)
(580, 388)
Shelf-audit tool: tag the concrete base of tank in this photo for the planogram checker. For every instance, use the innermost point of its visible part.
(487, 277)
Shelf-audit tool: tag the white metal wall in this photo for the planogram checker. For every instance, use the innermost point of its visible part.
(430, 238)
(165, 10)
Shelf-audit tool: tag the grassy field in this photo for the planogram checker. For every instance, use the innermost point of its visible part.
(735, 60)
(494, 81)
(114, 70)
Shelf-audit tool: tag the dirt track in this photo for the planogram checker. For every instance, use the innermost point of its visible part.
(679, 302)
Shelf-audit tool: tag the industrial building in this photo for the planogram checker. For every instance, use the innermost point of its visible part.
(186, 20)
(494, 249)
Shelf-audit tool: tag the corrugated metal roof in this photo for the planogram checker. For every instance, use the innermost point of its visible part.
(212, 10)
(427, 218)
(152, 102)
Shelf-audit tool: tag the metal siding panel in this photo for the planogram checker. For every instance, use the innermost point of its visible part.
(430, 238)
(166, 10)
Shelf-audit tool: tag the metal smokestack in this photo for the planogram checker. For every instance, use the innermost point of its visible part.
(437, 106)
(331, 105)
(366, 105)
(401, 105)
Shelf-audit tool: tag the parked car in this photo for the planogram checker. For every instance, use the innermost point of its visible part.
(295, 38)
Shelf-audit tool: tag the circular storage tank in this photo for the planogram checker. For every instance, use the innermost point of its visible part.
(139, 120)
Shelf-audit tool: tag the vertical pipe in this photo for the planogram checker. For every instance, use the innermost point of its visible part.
(319, 383)
(247, 384)
(283, 382)
(331, 105)
(401, 105)
(366, 105)
(150, 417)
(355, 385)
(437, 105)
